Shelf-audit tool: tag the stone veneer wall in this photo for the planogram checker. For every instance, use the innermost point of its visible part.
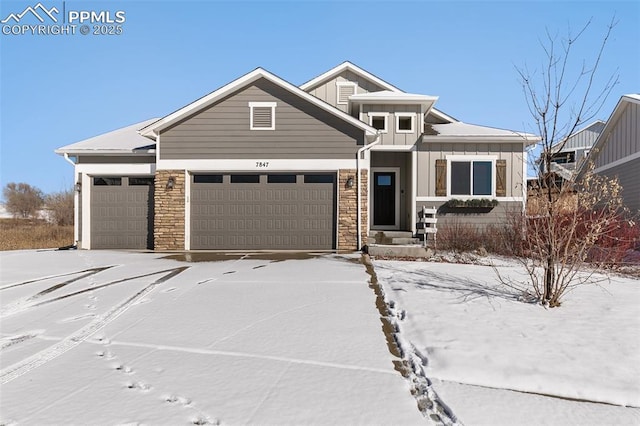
(168, 229)
(348, 210)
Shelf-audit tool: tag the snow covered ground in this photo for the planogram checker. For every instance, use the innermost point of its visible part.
(123, 338)
(491, 358)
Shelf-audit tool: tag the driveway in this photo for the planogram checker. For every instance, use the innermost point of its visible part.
(108, 337)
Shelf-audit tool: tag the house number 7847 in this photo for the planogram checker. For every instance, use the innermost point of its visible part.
(262, 164)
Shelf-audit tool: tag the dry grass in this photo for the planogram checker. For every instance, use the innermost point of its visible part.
(21, 234)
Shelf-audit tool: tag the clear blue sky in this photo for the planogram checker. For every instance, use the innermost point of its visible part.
(56, 90)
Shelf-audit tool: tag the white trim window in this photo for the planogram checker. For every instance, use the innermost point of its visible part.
(471, 176)
(262, 115)
(344, 89)
(379, 121)
(405, 122)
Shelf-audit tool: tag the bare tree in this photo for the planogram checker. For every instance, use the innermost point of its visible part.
(22, 200)
(568, 220)
(60, 206)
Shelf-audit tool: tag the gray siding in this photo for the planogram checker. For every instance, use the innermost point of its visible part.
(624, 139)
(497, 215)
(429, 152)
(391, 137)
(629, 177)
(302, 130)
(585, 138)
(328, 91)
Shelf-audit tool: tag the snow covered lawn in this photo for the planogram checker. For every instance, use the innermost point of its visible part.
(478, 345)
(123, 338)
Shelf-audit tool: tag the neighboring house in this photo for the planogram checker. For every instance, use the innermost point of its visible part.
(568, 155)
(263, 164)
(616, 152)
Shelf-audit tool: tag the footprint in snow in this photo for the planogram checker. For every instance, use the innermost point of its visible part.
(105, 355)
(169, 290)
(174, 399)
(201, 420)
(229, 272)
(259, 266)
(122, 368)
(91, 306)
(138, 385)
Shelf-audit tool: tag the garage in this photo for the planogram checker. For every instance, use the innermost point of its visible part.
(122, 212)
(280, 211)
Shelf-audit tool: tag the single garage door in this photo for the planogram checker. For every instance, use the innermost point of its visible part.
(234, 211)
(122, 212)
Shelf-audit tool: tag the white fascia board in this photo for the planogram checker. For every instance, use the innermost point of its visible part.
(368, 98)
(441, 115)
(257, 165)
(115, 152)
(348, 66)
(116, 169)
(213, 97)
(405, 148)
(529, 140)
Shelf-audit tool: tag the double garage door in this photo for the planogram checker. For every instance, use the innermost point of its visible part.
(295, 211)
(232, 211)
(122, 212)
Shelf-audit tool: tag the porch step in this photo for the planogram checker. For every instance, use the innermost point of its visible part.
(410, 251)
(393, 238)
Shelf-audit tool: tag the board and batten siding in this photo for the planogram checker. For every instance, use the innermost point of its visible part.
(585, 138)
(628, 175)
(623, 139)
(302, 130)
(328, 91)
(429, 152)
(391, 137)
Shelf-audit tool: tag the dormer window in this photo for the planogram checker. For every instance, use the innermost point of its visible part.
(379, 121)
(262, 115)
(405, 122)
(345, 89)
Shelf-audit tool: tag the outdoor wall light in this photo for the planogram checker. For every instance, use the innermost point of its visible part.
(171, 182)
(350, 182)
(78, 186)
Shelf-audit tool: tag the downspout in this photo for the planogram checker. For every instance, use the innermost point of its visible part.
(359, 189)
(76, 201)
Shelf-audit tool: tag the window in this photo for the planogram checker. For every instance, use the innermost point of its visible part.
(405, 122)
(140, 181)
(345, 89)
(378, 120)
(245, 178)
(471, 178)
(262, 115)
(107, 181)
(281, 178)
(318, 178)
(207, 179)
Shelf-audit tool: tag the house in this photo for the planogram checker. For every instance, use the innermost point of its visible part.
(568, 154)
(616, 151)
(263, 164)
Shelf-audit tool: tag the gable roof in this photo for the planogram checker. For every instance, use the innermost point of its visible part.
(125, 140)
(460, 132)
(152, 130)
(348, 66)
(603, 138)
(596, 127)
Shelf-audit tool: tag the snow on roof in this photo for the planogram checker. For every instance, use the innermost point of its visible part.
(123, 140)
(389, 96)
(460, 130)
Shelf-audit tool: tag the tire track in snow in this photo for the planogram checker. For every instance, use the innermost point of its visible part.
(22, 367)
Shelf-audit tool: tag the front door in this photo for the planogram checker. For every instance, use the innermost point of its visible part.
(384, 199)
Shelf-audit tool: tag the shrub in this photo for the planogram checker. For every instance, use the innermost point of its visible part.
(60, 206)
